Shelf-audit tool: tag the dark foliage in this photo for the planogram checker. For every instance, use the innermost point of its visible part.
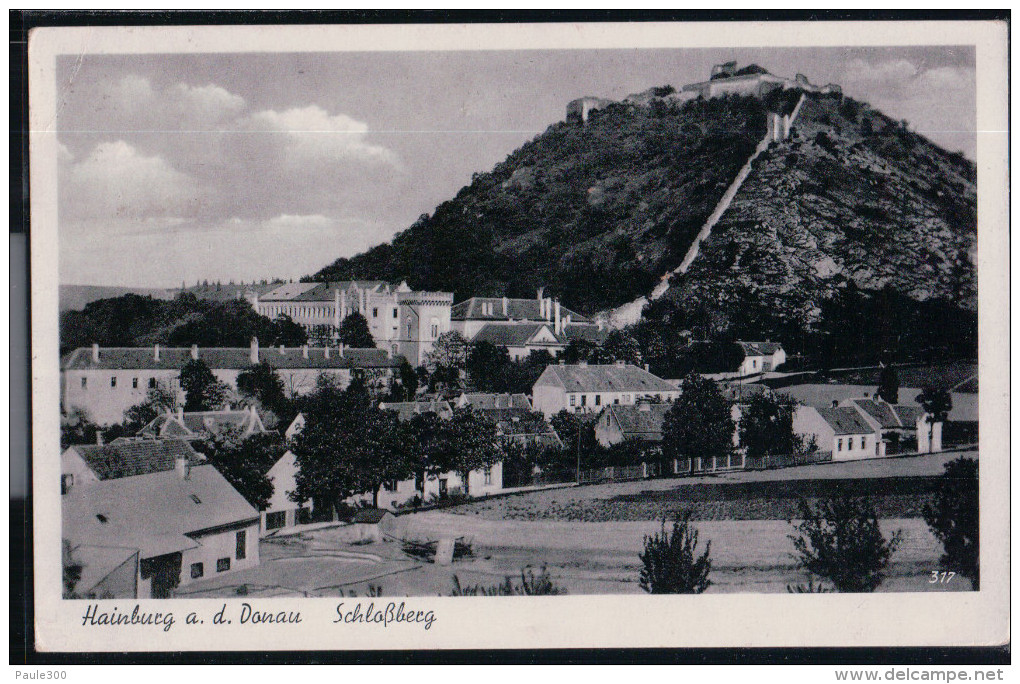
(245, 462)
(202, 391)
(889, 385)
(671, 562)
(530, 585)
(953, 518)
(699, 423)
(766, 426)
(840, 540)
(354, 332)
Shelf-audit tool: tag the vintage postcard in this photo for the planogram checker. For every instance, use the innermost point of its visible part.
(520, 336)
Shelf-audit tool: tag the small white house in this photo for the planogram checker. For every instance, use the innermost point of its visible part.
(584, 388)
(760, 357)
(841, 430)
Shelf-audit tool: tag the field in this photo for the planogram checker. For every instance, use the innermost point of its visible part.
(959, 376)
(589, 537)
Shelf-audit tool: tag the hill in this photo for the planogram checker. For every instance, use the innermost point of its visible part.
(853, 238)
(73, 297)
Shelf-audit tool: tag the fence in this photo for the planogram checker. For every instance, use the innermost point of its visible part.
(786, 460)
(620, 473)
(710, 464)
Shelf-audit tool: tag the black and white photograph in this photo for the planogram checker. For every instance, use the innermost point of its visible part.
(363, 328)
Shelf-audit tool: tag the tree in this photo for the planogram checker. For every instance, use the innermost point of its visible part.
(489, 367)
(446, 360)
(202, 391)
(840, 540)
(618, 346)
(71, 569)
(245, 462)
(698, 424)
(766, 426)
(671, 564)
(953, 518)
(287, 332)
(354, 332)
(889, 385)
(158, 399)
(429, 448)
(77, 427)
(383, 456)
(937, 404)
(261, 383)
(573, 428)
(472, 436)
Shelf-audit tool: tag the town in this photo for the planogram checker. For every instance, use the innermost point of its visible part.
(392, 441)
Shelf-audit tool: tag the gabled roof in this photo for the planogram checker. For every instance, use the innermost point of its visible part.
(370, 516)
(408, 409)
(759, 348)
(603, 378)
(200, 424)
(131, 458)
(484, 400)
(97, 562)
(641, 421)
(518, 335)
(229, 358)
(845, 421)
(156, 513)
(588, 333)
(326, 292)
(516, 309)
(890, 416)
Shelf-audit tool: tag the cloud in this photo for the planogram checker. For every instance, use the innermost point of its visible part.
(208, 103)
(118, 181)
(311, 133)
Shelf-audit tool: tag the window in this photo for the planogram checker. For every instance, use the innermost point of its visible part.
(134, 383)
(390, 485)
(435, 328)
(197, 570)
(408, 331)
(754, 363)
(839, 444)
(66, 482)
(222, 565)
(487, 473)
(152, 383)
(84, 383)
(396, 314)
(573, 400)
(375, 313)
(584, 400)
(113, 381)
(598, 399)
(276, 520)
(240, 551)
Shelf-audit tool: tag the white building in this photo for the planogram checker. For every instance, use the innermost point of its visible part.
(584, 388)
(182, 523)
(841, 430)
(107, 381)
(760, 357)
(401, 320)
(470, 316)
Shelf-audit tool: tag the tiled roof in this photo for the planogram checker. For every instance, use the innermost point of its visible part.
(890, 416)
(643, 421)
(517, 309)
(200, 423)
(589, 333)
(130, 458)
(759, 348)
(408, 409)
(845, 421)
(321, 292)
(370, 516)
(234, 358)
(484, 400)
(516, 334)
(603, 378)
(155, 512)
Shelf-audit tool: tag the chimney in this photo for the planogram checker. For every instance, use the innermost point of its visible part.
(548, 308)
(95, 352)
(304, 351)
(506, 306)
(562, 362)
(341, 348)
(180, 413)
(541, 292)
(620, 362)
(194, 352)
(155, 352)
(182, 467)
(325, 352)
(646, 368)
(254, 357)
(99, 438)
(283, 350)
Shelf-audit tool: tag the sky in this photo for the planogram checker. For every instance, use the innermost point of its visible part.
(184, 167)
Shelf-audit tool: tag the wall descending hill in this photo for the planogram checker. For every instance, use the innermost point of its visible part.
(596, 213)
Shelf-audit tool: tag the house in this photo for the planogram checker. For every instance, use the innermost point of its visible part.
(182, 524)
(281, 512)
(515, 420)
(584, 388)
(373, 524)
(107, 381)
(620, 422)
(86, 463)
(405, 410)
(905, 422)
(201, 425)
(753, 81)
(109, 572)
(760, 357)
(841, 430)
(470, 316)
(401, 320)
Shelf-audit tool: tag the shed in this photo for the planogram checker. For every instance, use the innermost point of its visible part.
(372, 524)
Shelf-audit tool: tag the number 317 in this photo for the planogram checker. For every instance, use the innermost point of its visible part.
(940, 577)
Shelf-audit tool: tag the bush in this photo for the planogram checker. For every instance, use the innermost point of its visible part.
(531, 585)
(840, 541)
(953, 519)
(671, 564)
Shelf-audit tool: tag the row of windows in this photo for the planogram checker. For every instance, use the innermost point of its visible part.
(622, 399)
(113, 382)
(850, 443)
(223, 564)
